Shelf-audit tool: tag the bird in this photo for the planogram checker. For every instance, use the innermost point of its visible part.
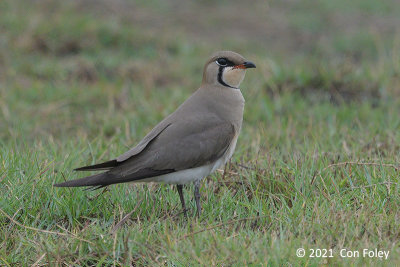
(189, 144)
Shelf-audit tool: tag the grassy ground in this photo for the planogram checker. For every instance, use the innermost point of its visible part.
(317, 162)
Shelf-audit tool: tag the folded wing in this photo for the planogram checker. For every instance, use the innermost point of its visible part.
(178, 146)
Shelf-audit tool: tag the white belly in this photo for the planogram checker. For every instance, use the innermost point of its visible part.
(183, 176)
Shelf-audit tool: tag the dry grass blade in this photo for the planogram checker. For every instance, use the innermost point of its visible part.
(221, 224)
(126, 217)
(96, 196)
(8, 233)
(250, 168)
(224, 172)
(38, 260)
(353, 163)
(372, 185)
(2, 178)
(44, 231)
(167, 216)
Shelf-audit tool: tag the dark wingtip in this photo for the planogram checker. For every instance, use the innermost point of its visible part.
(93, 180)
(86, 168)
(79, 169)
(99, 167)
(60, 185)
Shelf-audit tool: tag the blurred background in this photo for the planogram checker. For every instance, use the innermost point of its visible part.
(68, 66)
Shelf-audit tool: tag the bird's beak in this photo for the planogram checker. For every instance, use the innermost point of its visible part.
(245, 65)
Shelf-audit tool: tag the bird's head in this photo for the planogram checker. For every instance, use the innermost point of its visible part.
(226, 68)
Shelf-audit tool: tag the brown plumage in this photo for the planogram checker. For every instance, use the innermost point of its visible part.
(189, 144)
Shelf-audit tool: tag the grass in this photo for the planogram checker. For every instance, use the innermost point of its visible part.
(317, 162)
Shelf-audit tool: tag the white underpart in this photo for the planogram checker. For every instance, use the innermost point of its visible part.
(233, 77)
(194, 174)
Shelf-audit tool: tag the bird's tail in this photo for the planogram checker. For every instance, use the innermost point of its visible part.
(99, 180)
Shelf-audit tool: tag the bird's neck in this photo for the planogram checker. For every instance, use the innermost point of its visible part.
(227, 103)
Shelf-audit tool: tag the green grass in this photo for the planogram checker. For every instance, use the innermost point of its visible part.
(82, 82)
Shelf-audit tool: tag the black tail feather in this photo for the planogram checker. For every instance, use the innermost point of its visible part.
(93, 180)
(100, 180)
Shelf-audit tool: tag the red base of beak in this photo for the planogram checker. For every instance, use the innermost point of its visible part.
(245, 65)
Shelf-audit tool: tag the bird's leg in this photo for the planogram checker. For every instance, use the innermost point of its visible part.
(197, 197)
(179, 187)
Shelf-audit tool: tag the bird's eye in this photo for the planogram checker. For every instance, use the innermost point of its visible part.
(222, 62)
